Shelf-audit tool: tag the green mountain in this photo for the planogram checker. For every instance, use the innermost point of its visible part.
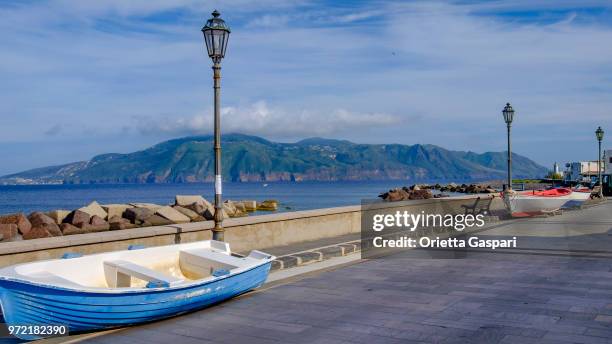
(250, 158)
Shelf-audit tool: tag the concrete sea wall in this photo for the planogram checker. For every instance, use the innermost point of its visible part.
(244, 234)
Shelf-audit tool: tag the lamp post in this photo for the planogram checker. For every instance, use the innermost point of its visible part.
(599, 133)
(508, 113)
(216, 34)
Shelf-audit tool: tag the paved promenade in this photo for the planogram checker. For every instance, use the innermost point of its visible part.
(557, 290)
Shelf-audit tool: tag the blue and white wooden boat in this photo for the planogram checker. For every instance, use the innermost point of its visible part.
(121, 288)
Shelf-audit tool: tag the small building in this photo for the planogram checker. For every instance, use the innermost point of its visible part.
(581, 171)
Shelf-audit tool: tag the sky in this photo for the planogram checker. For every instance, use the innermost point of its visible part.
(80, 78)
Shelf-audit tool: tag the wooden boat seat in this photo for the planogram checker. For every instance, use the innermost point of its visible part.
(119, 274)
(204, 261)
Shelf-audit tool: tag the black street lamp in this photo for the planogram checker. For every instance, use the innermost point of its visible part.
(599, 133)
(216, 34)
(508, 113)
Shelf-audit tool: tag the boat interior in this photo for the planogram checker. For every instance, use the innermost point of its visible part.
(155, 267)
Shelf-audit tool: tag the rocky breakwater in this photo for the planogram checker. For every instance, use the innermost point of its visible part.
(99, 218)
(406, 193)
(423, 191)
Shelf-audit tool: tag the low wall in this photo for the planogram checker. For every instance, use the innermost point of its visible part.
(244, 234)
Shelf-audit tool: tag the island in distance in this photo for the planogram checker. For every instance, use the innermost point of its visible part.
(250, 158)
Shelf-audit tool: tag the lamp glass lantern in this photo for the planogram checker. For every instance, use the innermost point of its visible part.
(216, 35)
(599, 133)
(508, 113)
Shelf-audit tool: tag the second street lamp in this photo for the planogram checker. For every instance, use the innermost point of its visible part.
(599, 133)
(508, 113)
(216, 35)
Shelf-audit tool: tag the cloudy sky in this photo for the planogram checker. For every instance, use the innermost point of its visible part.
(80, 78)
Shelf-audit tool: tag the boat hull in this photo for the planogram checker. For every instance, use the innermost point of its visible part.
(25, 303)
(529, 203)
(577, 198)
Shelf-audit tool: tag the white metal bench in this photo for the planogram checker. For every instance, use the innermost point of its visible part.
(119, 274)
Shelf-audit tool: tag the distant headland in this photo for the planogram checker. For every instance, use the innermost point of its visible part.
(253, 159)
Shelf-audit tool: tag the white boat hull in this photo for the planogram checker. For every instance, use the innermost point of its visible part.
(521, 204)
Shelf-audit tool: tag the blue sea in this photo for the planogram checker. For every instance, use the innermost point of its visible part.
(292, 196)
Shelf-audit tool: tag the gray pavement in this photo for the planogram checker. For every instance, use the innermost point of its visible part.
(540, 295)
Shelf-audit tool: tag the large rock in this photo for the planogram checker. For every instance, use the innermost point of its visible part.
(113, 210)
(78, 218)
(98, 224)
(22, 222)
(268, 205)
(420, 194)
(229, 208)
(209, 213)
(70, 229)
(192, 215)
(196, 207)
(395, 195)
(59, 215)
(37, 233)
(249, 205)
(118, 223)
(40, 220)
(157, 220)
(240, 207)
(172, 214)
(138, 215)
(8, 231)
(232, 210)
(150, 206)
(186, 200)
(94, 209)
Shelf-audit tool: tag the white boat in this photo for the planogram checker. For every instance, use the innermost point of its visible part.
(535, 202)
(121, 288)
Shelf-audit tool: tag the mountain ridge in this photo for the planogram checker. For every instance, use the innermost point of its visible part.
(252, 158)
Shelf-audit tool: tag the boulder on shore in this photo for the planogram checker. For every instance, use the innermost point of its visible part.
(70, 229)
(138, 215)
(94, 209)
(420, 194)
(40, 220)
(113, 210)
(19, 219)
(395, 195)
(98, 223)
(172, 215)
(249, 205)
(119, 223)
(150, 206)
(405, 193)
(186, 200)
(8, 231)
(157, 220)
(59, 215)
(192, 215)
(268, 205)
(78, 218)
(197, 208)
(209, 213)
(37, 233)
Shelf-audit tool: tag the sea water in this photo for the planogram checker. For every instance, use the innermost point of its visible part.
(291, 195)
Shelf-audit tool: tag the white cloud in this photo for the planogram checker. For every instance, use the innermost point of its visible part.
(260, 119)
